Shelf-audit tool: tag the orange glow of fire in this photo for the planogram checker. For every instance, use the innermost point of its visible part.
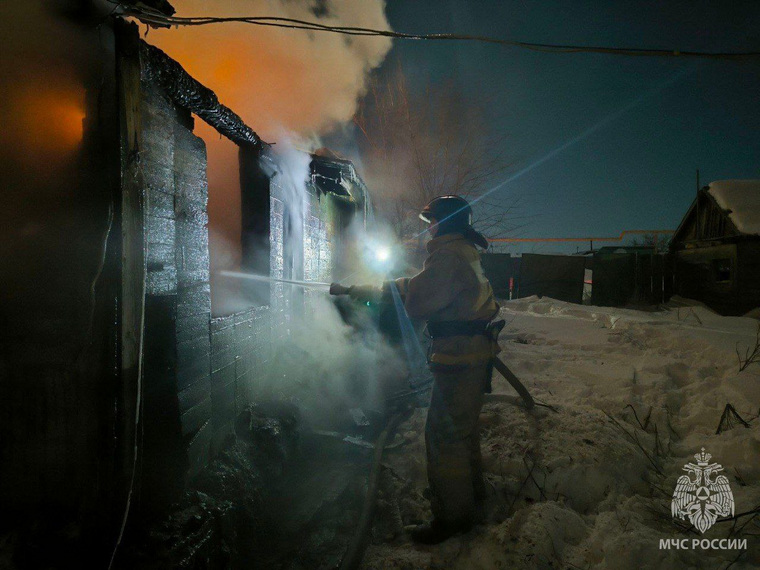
(272, 89)
(46, 123)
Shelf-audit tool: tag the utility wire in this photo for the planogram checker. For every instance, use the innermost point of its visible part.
(156, 18)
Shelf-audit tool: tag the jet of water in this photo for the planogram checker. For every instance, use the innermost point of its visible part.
(268, 279)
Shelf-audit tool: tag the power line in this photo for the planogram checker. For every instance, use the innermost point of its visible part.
(156, 18)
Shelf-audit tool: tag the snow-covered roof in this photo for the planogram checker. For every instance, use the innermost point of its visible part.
(742, 199)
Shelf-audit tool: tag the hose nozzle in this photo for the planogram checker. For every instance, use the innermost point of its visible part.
(338, 289)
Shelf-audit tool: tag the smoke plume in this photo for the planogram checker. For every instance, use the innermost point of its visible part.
(318, 361)
(277, 80)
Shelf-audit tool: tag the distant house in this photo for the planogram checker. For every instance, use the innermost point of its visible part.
(716, 248)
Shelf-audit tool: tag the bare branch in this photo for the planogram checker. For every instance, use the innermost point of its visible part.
(415, 147)
(751, 353)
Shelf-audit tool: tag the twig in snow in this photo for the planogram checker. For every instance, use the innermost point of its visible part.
(634, 341)
(627, 521)
(659, 514)
(665, 493)
(690, 312)
(735, 530)
(522, 486)
(646, 419)
(751, 354)
(729, 419)
(753, 418)
(532, 478)
(545, 405)
(634, 438)
(658, 450)
(754, 512)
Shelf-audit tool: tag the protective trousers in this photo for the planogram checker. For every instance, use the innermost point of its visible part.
(452, 439)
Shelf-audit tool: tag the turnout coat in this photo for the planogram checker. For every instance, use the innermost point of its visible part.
(452, 287)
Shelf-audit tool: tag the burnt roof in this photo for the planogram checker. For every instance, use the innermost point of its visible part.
(192, 95)
(335, 175)
(161, 6)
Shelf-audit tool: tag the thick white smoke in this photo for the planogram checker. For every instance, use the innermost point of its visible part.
(276, 78)
(318, 360)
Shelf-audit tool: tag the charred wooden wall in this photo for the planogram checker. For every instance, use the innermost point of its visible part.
(176, 377)
(198, 370)
(108, 344)
(201, 371)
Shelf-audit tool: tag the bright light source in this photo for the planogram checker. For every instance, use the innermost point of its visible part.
(383, 254)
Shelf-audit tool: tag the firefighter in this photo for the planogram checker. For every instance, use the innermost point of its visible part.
(455, 298)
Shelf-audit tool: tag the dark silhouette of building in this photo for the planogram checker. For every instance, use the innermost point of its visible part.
(716, 248)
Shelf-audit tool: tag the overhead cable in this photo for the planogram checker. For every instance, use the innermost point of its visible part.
(155, 18)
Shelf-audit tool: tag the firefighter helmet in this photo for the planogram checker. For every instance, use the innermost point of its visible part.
(453, 212)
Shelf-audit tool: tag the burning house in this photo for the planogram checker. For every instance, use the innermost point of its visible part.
(113, 362)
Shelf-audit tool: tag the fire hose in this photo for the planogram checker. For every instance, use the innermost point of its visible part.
(502, 368)
(492, 331)
(355, 552)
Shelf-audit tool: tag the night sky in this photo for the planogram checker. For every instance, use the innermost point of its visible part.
(601, 143)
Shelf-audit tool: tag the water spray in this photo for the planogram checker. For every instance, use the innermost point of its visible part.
(268, 279)
(416, 360)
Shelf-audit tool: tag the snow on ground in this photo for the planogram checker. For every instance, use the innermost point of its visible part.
(590, 486)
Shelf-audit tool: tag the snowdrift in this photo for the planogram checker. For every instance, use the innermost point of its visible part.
(637, 395)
